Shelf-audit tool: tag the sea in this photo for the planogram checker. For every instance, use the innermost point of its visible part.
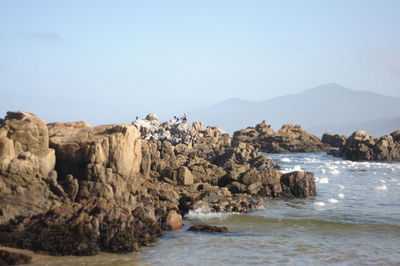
(353, 220)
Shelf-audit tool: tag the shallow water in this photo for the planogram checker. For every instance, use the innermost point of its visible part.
(354, 219)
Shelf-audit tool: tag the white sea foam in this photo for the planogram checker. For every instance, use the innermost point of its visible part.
(383, 187)
(295, 168)
(319, 204)
(323, 180)
(333, 201)
(340, 186)
(286, 160)
(203, 214)
(382, 181)
(340, 196)
(323, 171)
(335, 172)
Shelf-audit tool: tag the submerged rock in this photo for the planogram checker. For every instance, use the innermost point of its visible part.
(208, 228)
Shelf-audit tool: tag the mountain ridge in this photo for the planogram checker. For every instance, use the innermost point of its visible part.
(326, 108)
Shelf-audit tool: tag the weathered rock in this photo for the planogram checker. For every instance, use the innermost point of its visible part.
(174, 220)
(334, 140)
(112, 191)
(362, 147)
(298, 184)
(13, 258)
(25, 163)
(290, 138)
(78, 146)
(184, 177)
(28, 132)
(208, 228)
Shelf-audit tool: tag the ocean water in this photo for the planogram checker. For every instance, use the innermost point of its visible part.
(354, 220)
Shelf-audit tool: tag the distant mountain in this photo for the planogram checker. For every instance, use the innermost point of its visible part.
(329, 107)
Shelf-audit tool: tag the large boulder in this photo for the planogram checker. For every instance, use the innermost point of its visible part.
(79, 146)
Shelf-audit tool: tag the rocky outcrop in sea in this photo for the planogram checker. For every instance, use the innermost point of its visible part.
(334, 140)
(290, 138)
(362, 147)
(75, 189)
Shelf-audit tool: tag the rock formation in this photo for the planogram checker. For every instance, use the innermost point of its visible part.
(208, 228)
(290, 138)
(334, 140)
(362, 147)
(74, 189)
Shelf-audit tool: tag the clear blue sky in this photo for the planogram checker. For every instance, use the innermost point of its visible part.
(108, 61)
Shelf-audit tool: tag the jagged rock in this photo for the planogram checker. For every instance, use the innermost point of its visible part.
(298, 184)
(290, 138)
(47, 162)
(362, 147)
(114, 190)
(71, 186)
(25, 162)
(334, 140)
(184, 177)
(28, 132)
(79, 146)
(208, 228)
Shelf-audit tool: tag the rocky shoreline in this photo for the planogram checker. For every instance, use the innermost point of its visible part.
(74, 189)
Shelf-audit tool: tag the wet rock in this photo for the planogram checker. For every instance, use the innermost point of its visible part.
(13, 258)
(208, 228)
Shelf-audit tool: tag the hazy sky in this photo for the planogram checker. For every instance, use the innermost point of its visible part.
(108, 61)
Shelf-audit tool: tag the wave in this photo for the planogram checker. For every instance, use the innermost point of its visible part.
(351, 225)
(203, 214)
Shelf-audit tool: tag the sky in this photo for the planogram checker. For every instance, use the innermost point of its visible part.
(110, 61)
